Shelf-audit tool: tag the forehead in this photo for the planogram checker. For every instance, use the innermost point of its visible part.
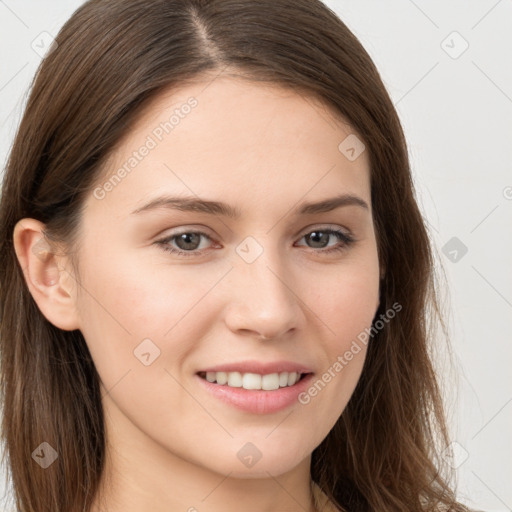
(229, 136)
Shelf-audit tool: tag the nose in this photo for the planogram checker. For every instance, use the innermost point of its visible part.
(262, 301)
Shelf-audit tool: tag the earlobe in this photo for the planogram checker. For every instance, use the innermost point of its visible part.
(46, 274)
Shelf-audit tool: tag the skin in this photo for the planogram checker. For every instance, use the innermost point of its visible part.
(262, 149)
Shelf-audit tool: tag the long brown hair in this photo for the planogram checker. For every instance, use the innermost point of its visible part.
(111, 58)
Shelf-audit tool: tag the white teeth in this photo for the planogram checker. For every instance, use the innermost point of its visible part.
(251, 381)
(234, 379)
(292, 378)
(268, 382)
(222, 377)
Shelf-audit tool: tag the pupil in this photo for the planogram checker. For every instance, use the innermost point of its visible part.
(186, 239)
(317, 236)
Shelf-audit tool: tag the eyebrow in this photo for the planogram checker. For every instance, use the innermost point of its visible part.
(195, 204)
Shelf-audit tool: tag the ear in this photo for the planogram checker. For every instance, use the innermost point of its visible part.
(48, 276)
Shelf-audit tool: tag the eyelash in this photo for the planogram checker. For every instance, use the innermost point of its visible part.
(343, 237)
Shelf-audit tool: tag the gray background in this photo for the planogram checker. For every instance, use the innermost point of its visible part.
(455, 104)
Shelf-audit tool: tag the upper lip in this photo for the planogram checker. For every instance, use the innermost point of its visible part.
(259, 367)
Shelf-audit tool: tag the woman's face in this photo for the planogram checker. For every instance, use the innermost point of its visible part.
(264, 289)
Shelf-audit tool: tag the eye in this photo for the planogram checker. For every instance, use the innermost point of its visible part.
(188, 243)
(319, 238)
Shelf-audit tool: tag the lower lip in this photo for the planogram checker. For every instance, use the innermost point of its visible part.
(258, 401)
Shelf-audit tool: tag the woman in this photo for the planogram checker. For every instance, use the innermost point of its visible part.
(217, 285)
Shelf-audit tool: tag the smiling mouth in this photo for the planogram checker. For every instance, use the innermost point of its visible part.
(254, 381)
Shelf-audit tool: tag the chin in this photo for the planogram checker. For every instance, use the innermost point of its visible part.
(262, 465)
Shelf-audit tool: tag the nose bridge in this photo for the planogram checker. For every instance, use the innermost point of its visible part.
(261, 299)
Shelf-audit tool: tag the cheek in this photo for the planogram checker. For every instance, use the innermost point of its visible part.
(127, 301)
(346, 300)
(346, 307)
